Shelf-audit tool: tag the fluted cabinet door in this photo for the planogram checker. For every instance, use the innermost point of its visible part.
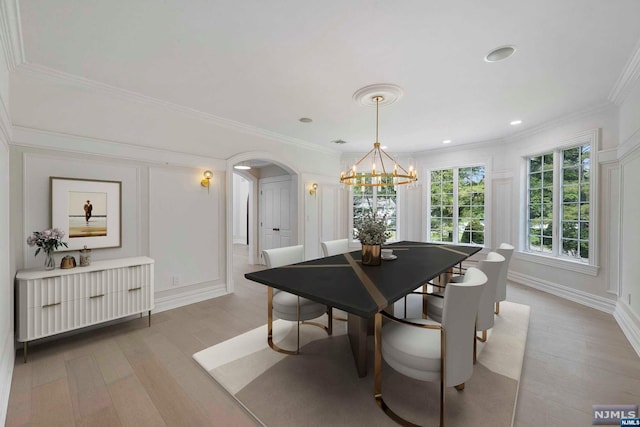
(51, 302)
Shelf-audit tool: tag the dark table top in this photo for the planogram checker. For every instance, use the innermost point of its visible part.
(342, 281)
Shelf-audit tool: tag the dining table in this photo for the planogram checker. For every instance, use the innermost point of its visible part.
(343, 282)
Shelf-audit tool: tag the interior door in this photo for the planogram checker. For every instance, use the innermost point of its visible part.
(275, 214)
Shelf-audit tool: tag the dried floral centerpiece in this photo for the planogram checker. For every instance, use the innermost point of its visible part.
(371, 230)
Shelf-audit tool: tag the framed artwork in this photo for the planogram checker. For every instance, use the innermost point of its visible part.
(89, 211)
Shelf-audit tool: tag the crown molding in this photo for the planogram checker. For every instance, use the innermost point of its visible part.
(629, 146)
(466, 145)
(11, 33)
(520, 135)
(59, 141)
(52, 75)
(599, 108)
(5, 122)
(630, 73)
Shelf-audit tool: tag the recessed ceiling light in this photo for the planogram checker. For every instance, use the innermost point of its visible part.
(446, 141)
(339, 141)
(242, 167)
(500, 53)
(305, 120)
(515, 122)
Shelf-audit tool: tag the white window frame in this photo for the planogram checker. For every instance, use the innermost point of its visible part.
(556, 258)
(487, 197)
(399, 198)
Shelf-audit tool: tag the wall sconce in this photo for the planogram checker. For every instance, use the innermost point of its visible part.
(206, 181)
(313, 189)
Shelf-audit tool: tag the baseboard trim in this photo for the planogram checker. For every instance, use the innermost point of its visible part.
(7, 360)
(629, 322)
(575, 295)
(175, 301)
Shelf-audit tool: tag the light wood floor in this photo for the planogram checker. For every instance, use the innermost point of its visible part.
(129, 374)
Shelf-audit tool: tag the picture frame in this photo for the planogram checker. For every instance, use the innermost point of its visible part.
(88, 211)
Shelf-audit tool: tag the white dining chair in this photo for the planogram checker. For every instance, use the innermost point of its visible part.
(288, 306)
(491, 266)
(506, 250)
(428, 351)
(335, 247)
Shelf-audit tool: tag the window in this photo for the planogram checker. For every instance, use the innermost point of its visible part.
(541, 203)
(558, 203)
(456, 205)
(383, 199)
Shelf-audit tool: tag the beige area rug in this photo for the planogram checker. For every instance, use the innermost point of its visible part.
(320, 387)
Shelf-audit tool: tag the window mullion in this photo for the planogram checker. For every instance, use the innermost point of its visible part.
(374, 199)
(427, 198)
(456, 234)
(557, 203)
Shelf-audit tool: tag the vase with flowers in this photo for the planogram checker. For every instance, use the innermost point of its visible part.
(371, 230)
(48, 241)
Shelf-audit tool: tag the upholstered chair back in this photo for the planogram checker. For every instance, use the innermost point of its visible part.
(458, 320)
(492, 267)
(506, 250)
(335, 247)
(283, 256)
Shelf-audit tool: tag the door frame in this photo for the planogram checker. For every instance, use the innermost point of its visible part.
(260, 218)
(297, 193)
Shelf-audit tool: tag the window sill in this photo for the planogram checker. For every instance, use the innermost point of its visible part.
(565, 264)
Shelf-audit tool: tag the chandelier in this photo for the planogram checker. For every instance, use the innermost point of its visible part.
(382, 176)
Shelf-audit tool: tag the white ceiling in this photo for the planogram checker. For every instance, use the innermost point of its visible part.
(268, 63)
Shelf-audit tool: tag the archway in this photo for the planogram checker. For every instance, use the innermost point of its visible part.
(262, 158)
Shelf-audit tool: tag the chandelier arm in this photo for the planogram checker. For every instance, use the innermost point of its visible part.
(384, 170)
(395, 162)
(364, 157)
(376, 155)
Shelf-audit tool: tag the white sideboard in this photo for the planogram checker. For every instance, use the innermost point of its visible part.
(56, 301)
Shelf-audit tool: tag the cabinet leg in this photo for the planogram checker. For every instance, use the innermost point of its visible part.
(149, 318)
(24, 350)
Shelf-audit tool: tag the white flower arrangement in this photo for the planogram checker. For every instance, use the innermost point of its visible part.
(48, 240)
(371, 229)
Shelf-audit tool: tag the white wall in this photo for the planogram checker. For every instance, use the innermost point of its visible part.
(325, 214)
(630, 116)
(7, 261)
(628, 307)
(7, 271)
(240, 195)
(630, 239)
(166, 214)
(578, 286)
(186, 233)
(112, 115)
(504, 163)
(32, 170)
